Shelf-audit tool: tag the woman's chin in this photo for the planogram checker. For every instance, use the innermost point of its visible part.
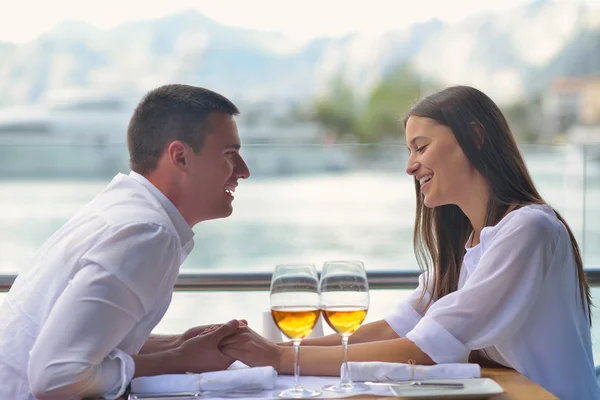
(430, 202)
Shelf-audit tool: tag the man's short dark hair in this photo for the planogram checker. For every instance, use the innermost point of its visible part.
(168, 113)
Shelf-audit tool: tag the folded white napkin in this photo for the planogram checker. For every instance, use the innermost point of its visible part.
(384, 371)
(235, 379)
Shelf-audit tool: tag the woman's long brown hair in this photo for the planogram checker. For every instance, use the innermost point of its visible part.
(486, 139)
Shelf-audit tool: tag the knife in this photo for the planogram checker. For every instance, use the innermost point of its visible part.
(425, 384)
(165, 396)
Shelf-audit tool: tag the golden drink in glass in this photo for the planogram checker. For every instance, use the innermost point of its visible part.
(344, 320)
(295, 322)
(295, 311)
(344, 301)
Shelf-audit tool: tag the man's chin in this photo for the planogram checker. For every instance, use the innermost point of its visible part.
(226, 212)
(223, 211)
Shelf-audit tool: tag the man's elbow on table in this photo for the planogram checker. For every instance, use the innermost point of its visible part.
(59, 379)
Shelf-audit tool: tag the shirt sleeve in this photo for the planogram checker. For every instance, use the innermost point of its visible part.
(408, 313)
(76, 353)
(140, 256)
(497, 298)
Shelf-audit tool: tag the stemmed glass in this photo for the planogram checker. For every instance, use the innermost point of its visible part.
(344, 301)
(295, 310)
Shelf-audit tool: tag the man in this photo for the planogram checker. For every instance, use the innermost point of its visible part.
(76, 322)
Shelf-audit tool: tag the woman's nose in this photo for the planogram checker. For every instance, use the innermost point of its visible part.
(411, 166)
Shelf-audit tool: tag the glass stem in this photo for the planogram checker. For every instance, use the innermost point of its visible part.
(345, 381)
(296, 364)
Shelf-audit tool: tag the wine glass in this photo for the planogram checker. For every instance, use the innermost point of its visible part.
(295, 310)
(344, 301)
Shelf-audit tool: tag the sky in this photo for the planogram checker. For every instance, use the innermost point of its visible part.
(24, 20)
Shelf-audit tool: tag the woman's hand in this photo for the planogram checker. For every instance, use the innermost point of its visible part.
(199, 330)
(252, 349)
(201, 353)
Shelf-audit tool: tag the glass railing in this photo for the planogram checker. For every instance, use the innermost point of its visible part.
(302, 203)
(590, 205)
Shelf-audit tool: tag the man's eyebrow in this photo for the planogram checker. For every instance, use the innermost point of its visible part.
(233, 146)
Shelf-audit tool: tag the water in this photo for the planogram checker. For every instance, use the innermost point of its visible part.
(362, 213)
(359, 215)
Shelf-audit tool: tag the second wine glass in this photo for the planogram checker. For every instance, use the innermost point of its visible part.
(295, 310)
(344, 301)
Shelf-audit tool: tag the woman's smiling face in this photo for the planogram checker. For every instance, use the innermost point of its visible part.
(438, 162)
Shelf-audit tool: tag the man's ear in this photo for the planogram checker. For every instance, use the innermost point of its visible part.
(177, 153)
(479, 133)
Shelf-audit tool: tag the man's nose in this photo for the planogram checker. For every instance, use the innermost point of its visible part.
(241, 169)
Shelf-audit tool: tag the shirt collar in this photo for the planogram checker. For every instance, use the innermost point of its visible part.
(183, 229)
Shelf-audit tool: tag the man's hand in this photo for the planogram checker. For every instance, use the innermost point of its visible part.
(195, 331)
(199, 330)
(200, 352)
(252, 349)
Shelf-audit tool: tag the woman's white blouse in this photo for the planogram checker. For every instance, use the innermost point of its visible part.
(92, 295)
(518, 299)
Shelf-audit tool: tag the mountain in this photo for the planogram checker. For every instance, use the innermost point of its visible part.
(580, 58)
(509, 55)
(502, 53)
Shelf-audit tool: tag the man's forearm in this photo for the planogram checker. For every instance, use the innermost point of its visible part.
(159, 343)
(158, 363)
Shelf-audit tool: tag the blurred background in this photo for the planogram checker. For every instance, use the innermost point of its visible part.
(322, 87)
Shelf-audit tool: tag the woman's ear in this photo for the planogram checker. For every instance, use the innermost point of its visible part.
(479, 134)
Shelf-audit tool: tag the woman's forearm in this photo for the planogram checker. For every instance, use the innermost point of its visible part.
(329, 340)
(327, 361)
(371, 332)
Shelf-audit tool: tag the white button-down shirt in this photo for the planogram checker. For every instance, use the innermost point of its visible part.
(92, 294)
(517, 298)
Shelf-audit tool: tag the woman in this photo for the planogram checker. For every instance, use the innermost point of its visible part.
(503, 275)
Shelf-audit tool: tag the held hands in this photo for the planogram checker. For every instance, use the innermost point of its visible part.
(199, 330)
(215, 347)
(199, 348)
(252, 349)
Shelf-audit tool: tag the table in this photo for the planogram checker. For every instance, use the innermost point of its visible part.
(516, 387)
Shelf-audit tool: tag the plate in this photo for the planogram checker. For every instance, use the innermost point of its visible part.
(474, 388)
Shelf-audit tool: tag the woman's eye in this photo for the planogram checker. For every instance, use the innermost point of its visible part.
(420, 149)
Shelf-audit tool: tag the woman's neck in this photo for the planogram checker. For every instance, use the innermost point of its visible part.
(477, 231)
(474, 206)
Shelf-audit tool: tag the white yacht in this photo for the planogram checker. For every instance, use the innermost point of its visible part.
(83, 135)
(68, 134)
